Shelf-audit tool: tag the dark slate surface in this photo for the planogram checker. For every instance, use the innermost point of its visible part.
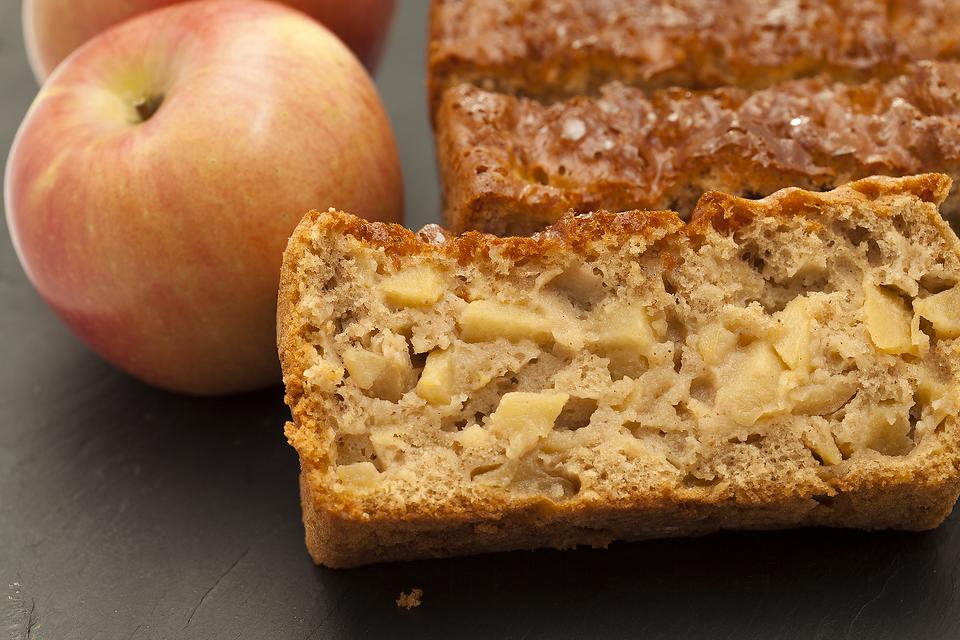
(126, 512)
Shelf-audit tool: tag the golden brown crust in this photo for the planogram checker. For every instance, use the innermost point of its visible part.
(726, 212)
(915, 496)
(569, 233)
(557, 48)
(916, 500)
(574, 232)
(915, 492)
(512, 165)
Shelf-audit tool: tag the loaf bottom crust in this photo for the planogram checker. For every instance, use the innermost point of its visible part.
(901, 499)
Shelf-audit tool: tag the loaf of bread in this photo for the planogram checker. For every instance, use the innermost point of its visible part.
(513, 165)
(552, 49)
(774, 363)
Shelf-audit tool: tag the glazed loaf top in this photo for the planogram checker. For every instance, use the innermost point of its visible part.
(556, 48)
(622, 150)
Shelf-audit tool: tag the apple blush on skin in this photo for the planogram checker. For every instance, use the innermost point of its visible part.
(54, 28)
(153, 184)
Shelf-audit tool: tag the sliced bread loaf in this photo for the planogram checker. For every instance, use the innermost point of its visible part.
(774, 363)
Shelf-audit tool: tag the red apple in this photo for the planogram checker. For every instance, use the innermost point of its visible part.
(152, 186)
(54, 28)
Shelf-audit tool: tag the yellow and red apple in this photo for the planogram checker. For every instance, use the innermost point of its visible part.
(152, 186)
(54, 28)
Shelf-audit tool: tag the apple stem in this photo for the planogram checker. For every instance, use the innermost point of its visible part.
(148, 106)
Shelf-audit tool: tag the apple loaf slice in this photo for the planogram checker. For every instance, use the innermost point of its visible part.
(513, 165)
(781, 362)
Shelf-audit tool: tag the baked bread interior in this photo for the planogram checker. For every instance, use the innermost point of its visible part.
(780, 362)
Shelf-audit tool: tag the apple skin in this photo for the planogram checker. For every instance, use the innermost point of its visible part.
(54, 28)
(160, 242)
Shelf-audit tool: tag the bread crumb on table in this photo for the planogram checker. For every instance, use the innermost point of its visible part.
(410, 600)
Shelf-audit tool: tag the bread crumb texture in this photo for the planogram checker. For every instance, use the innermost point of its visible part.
(410, 600)
(779, 362)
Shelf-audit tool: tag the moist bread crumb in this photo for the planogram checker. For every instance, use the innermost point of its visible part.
(410, 600)
(774, 363)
